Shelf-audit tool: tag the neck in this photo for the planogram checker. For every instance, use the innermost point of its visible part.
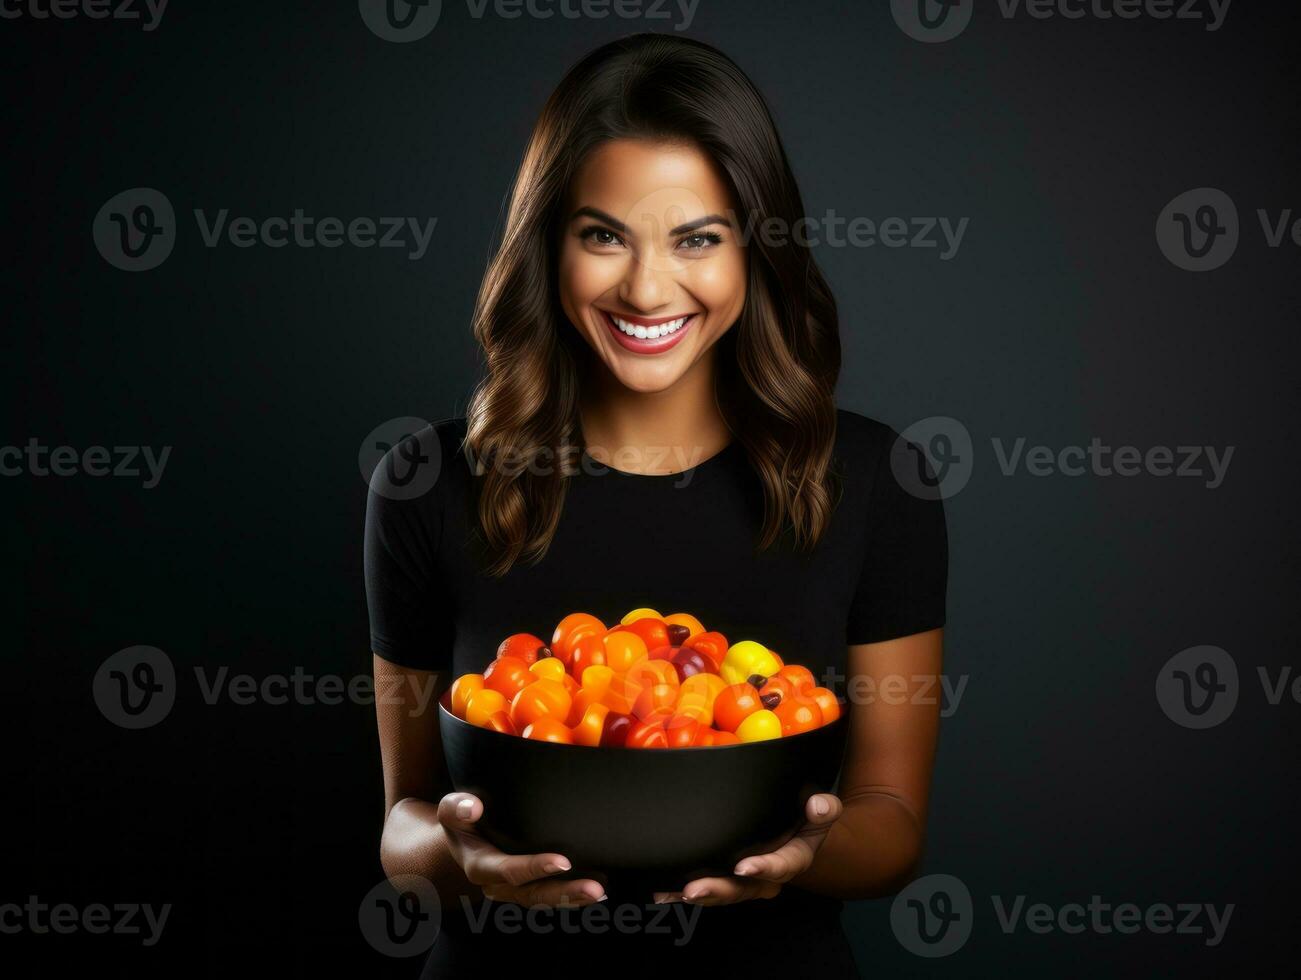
(653, 432)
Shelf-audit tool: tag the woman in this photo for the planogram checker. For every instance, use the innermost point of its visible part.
(657, 427)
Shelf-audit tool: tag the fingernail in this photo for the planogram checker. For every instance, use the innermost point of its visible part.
(603, 897)
(551, 867)
(464, 809)
(820, 807)
(695, 896)
(744, 869)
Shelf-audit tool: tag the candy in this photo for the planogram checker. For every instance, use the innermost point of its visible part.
(526, 646)
(482, 704)
(746, 658)
(462, 688)
(734, 704)
(507, 676)
(539, 699)
(548, 729)
(650, 681)
(758, 726)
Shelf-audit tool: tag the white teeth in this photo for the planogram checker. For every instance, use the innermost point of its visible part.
(649, 333)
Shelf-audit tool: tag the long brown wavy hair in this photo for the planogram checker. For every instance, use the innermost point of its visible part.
(778, 364)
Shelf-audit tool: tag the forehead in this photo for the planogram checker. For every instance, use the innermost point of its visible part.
(641, 180)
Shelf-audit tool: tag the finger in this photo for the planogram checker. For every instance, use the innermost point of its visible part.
(728, 890)
(520, 869)
(549, 894)
(667, 898)
(795, 856)
(459, 811)
(823, 809)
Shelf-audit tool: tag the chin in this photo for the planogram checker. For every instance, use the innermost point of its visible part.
(647, 379)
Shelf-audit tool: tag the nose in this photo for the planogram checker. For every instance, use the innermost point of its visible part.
(646, 286)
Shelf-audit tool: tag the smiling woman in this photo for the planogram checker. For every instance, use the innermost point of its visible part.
(627, 315)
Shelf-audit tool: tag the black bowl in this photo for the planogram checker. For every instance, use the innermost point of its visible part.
(644, 818)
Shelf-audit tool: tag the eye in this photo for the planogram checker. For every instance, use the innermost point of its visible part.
(700, 241)
(600, 236)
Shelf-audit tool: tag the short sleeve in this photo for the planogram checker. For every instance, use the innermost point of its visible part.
(411, 615)
(904, 575)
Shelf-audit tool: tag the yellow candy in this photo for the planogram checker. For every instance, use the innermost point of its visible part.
(746, 658)
(759, 725)
(642, 613)
(549, 668)
(596, 678)
(706, 686)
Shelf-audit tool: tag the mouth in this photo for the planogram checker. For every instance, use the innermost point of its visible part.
(648, 335)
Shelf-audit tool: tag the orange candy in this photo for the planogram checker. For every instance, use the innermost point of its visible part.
(712, 645)
(734, 704)
(801, 678)
(695, 626)
(569, 629)
(482, 705)
(623, 649)
(462, 688)
(588, 650)
(548, 729)
(507, 676)
(653, 698)
(522, 645)
(539, 699)
(798, 715)
(827, 702)
(589, 728)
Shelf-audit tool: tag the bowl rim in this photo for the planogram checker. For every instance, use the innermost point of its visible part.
(444, 708)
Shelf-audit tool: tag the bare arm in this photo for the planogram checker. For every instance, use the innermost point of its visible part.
(876, 845)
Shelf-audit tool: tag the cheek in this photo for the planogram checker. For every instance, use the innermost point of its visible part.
(720, 285)
(584, 277)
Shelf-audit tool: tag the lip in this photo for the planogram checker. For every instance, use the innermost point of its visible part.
(657, 346)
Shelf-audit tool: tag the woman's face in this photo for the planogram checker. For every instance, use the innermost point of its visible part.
(651, 269)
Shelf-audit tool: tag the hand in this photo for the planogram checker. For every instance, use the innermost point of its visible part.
(519, 878)
(762, 875)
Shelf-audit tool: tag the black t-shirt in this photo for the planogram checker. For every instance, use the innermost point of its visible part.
(677, 543)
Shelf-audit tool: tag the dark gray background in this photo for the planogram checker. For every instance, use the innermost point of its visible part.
(1059, 320)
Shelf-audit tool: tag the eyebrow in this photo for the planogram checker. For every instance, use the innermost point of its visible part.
(682, 229)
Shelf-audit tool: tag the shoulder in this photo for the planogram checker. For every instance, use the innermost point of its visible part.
(415, 462)
(862, 443)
